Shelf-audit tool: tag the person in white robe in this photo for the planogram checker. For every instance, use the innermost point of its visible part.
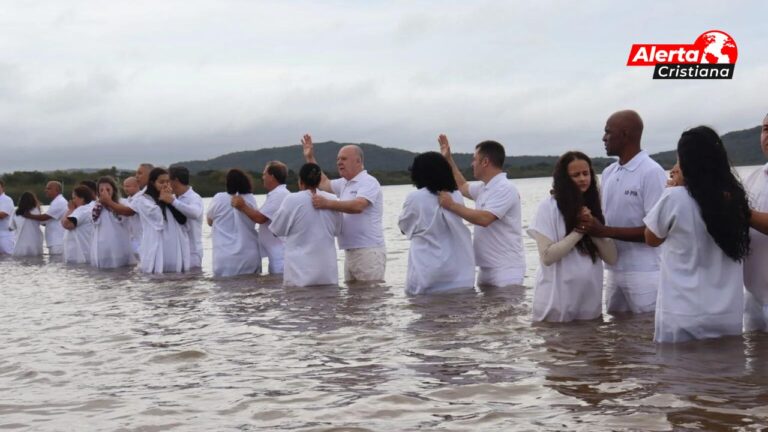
(189, 203)
(131, 189)
(235, 240)
(7, 209)
(440, 258)
(111, 245)
(164, 242)
(54, 232)
(703, 230)
(308, 233)
(569, 281)
(29, 237)
(78, 222)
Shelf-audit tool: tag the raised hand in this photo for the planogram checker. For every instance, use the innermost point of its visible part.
(308, 148)
(166, 194)
(238, 202)
(445, 199)
(105, 197)
(319, 202)
(445, 146)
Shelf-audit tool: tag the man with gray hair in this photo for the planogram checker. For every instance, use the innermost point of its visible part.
(362, 205)
(6, 214)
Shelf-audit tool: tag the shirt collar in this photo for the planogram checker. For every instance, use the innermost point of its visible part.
(498, 178)
(359, 175)
(635, 162)
(281, 186)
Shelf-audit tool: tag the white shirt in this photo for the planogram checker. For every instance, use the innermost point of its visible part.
(755, 270)
(7, 207)
(111, 243)
(308, 234)
(440, 257)
(500, 244)
(571, 288)
(77, 242)
(235, 240)
(271, 244)
(362, 230)
(700, 292)
(191, 205)
(54, 232)
(164, 242)
(629, 193)
(134, 225)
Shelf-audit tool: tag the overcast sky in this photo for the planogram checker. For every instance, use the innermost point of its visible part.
(95, 84)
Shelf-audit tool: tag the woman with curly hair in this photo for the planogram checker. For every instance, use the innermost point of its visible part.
(569, 282)
(29, 236)
(703, 230)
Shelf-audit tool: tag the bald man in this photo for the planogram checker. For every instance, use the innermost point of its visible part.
(6, 214)
(54, 231)
(131, 189)
(362, 204)
(630, 188)
(142, 175)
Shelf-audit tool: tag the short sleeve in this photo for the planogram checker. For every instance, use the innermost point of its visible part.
(337, 185)
(655, 183)
(369, 189)
(500, 201)
(215, 206)
(410, 216)
(6, 206)
(545, 220)
(57, 209)
(280, 224)
(81, 214)
(662, 216)
(474, 189)
(271, 206)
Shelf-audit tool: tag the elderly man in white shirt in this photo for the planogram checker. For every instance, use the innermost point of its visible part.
(630, 189)
(497, 220)
(362, 205)
(54, 232)
(6, 213)
(189, 203)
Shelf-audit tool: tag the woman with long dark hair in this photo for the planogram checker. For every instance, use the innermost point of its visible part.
(569, 282)
(111, 245)
(164, 242)
(78, 221)
(441, 257)
(29, 236)
(308, 233)
(703, 230)
(235, 239)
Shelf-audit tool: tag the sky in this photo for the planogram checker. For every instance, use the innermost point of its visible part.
(89, 84)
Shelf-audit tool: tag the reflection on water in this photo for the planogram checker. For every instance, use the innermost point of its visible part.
(118, 350)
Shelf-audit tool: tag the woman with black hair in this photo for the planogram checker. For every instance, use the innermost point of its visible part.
(440, 258)
(235, 239)
(164, 241)
(308, 233)
(569, 282)
(29, 236)
(78, 221)
(111, 245)
(703, 230)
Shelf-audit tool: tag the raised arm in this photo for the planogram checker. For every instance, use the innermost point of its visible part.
(192, 210)
(461, 182)
(482, 218)
(309, 155)
(106, 200)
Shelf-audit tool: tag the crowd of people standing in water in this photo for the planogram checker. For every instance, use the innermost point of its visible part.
(686, 247)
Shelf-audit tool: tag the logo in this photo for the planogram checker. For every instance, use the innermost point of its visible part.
(712, 56)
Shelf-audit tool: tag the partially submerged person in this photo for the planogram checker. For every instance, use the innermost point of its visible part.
(54, 232)
(6, 216)
(29, 237)
(111, 245)
(235, 240)
(440, 258)
(78, 221)
(308, 233)
(189, 202)
(131, 189)
(703, 230)
(569, 282)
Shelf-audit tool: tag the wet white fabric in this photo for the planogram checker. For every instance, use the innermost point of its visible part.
(6, 235)
(440, 258)
(235, 240)
(755, 268)
(164, 243)
(191, 205)
(755, 314)
(634, 292)
(308, 235)
(271, 245)
(54, 232)
(111, 246)
(362, 230)
(134, 226)
(571, 288)
(77, 242)
(29, 237)
(499, 245)
(701, 289)
(365, 264)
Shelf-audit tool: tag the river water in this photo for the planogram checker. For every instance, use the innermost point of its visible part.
(117, 350)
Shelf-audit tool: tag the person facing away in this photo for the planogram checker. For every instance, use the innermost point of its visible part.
(274, 177)
(498, 241)
(703, 230)
(362, 204)
(631, 186)
(131, 189)
(78, 223)
(308, 233)
(235, 240)
(54, 232)
(189, 202)
(7, 210)
(440, 258)
(569, 282)
(111, 245)
(164, 242)
(29, 237)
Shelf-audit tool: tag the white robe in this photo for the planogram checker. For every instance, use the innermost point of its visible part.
(134, 226)
(6, 235)
(235, 240)
(441, 257)
(54, 232)
(77, 242)
(111, 245)
(191, 205)
(164, 243)
(29, 236)
(308, 235)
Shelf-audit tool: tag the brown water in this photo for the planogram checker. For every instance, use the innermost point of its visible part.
(116, 350)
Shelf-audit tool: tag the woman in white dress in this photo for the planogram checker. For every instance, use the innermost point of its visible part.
(78, 222)
(308, 233)
(164, 242)
(29, 236)
(441, 258)
(703, 230)
(111, 245)
(569, 282)
(235, 239)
